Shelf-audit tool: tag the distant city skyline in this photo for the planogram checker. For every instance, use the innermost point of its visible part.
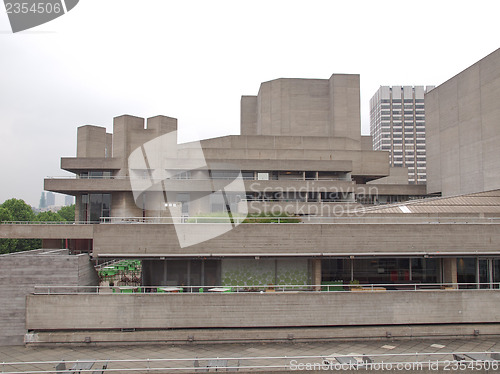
(53, 199)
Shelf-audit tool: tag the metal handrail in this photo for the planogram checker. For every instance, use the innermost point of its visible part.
(127, 177)
(48, 222)
(356, 218)
(279, 288)
(379, 360)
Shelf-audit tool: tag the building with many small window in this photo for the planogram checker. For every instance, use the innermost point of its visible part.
(397, 125)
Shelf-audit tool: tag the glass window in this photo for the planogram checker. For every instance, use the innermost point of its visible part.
(382, 270)
(425, 270)
(338, 269)
(466, 271)
(224, 174)
(95, 206)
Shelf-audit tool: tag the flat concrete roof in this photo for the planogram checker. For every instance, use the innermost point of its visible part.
(477, 203)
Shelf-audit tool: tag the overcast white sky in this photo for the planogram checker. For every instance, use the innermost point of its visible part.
(194, 59)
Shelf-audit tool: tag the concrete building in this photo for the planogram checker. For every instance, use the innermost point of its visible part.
(182, 210)
(397, 125)
(50, 199)
(69, 200)
(463, 130)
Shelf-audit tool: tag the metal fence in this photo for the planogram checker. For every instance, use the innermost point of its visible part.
(284, 288)
(432, 361)
(353, 218)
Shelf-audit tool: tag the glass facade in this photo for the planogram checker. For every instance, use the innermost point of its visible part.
(204, 273)
(95, 174)
(94, 206)
(382, 270)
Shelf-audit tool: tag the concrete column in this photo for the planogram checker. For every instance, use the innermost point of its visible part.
(450, 271)
(124, 205)
(316, 268)
(490, 272)
(78, 203)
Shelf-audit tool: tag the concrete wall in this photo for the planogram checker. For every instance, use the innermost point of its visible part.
(462, 130)
(308, 107)
(91, 141)
(55, 231)
(235, 310)
(75, 164)
(284, 239)
(248, 115)
(397, 175)
(345, 106)
(20, 272)
(278, 142)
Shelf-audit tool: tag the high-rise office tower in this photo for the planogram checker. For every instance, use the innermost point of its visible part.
(69, 200)
(397, 125)
(50, 198)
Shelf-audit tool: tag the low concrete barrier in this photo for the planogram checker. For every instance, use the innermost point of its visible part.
(250, 310)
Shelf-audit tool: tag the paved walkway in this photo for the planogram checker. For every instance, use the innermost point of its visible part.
(184, 356)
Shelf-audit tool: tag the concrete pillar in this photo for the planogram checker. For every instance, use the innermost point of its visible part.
(450, 271)
(124, 205)
(316, 276)
(78, 203)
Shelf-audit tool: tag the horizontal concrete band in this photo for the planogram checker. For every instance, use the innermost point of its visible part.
(248, 310)
(46, 231)
(295, 239)
(232, 335)
(275, 239)
(72, 185)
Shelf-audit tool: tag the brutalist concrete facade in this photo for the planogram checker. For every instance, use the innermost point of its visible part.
(463, 130)
(299, 136)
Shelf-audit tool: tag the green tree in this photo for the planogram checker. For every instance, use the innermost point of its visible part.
(68, 213)
(49, 217)
(19, 210)
(5, 214)
(6, 245)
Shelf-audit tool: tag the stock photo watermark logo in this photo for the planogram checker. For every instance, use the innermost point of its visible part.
(167, 180)
(26, 14)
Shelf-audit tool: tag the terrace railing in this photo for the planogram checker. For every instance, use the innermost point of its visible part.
(355, 219)
(331, 288)
(482, 361)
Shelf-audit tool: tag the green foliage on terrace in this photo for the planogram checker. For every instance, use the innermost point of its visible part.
(271, 218)
(216, 217)
(222, 217)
